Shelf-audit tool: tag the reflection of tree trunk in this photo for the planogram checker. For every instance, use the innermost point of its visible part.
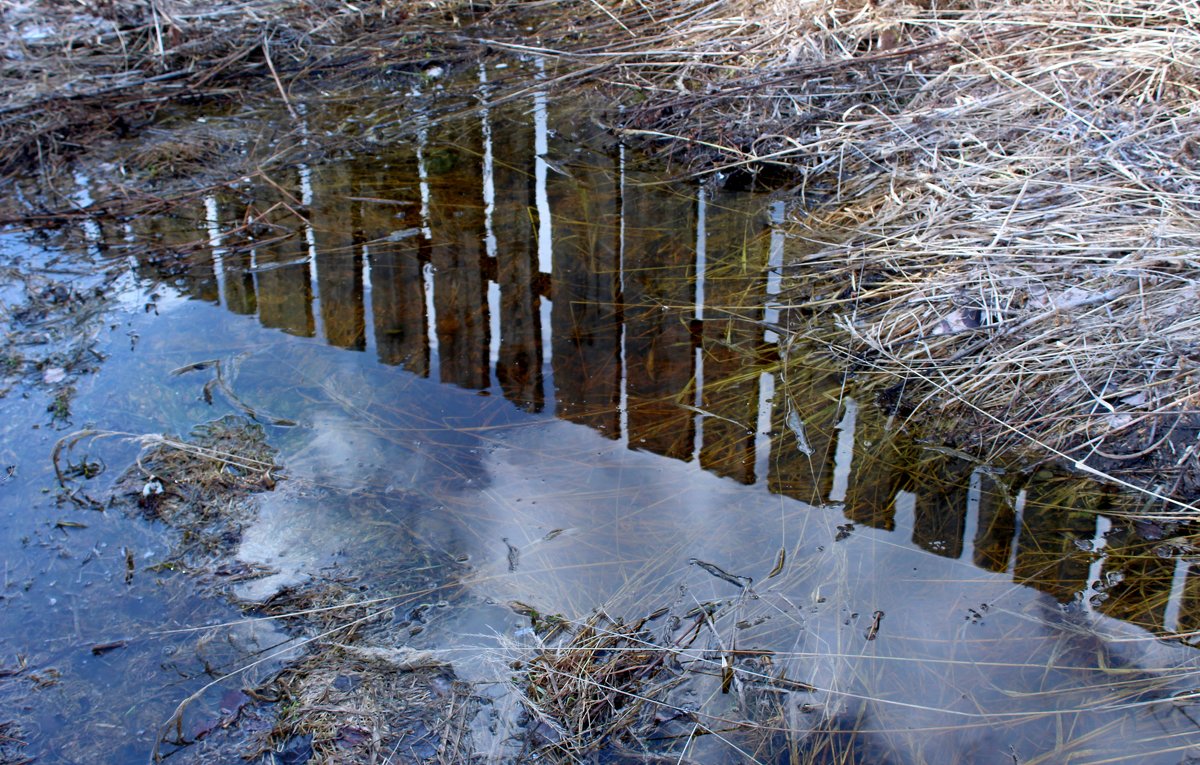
(519, 366)
(1053, 519)
(396, 250)
(339, 258)
(285, 291)
(179, 255)
(660, 295)
(585, 313)
(460, 289)
(941, 506)
(239, 284)
(240, 296)
(997, 524)
(1189, 609)
(736, 251)
(804, 421)
(877, 470)
(1142, 595)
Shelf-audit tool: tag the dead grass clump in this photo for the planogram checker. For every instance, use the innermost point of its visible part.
(600, 690)
(354, 703)
(203, 486)
(681, 692)
(175, 155)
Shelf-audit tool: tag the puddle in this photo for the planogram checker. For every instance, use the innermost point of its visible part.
(530, 371)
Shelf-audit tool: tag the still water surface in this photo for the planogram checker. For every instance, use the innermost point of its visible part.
(518, 358)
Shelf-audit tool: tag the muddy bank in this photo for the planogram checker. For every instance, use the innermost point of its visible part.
(75, 75)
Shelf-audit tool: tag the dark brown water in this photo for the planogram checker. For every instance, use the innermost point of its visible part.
(512, 351)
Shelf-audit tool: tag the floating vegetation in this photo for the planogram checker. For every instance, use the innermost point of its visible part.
(202, 486)
(53, 318)
(363, 703)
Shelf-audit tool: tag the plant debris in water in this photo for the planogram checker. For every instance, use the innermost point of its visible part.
(53, 315)
(602, 689)
(11, 745)
(646, 690)
(203, 486)
(349, 691)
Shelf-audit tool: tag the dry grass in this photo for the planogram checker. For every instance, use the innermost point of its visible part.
(1003, 200)
(362, 704)
(648, 690)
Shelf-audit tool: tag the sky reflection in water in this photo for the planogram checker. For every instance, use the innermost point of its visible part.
(564, 374)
